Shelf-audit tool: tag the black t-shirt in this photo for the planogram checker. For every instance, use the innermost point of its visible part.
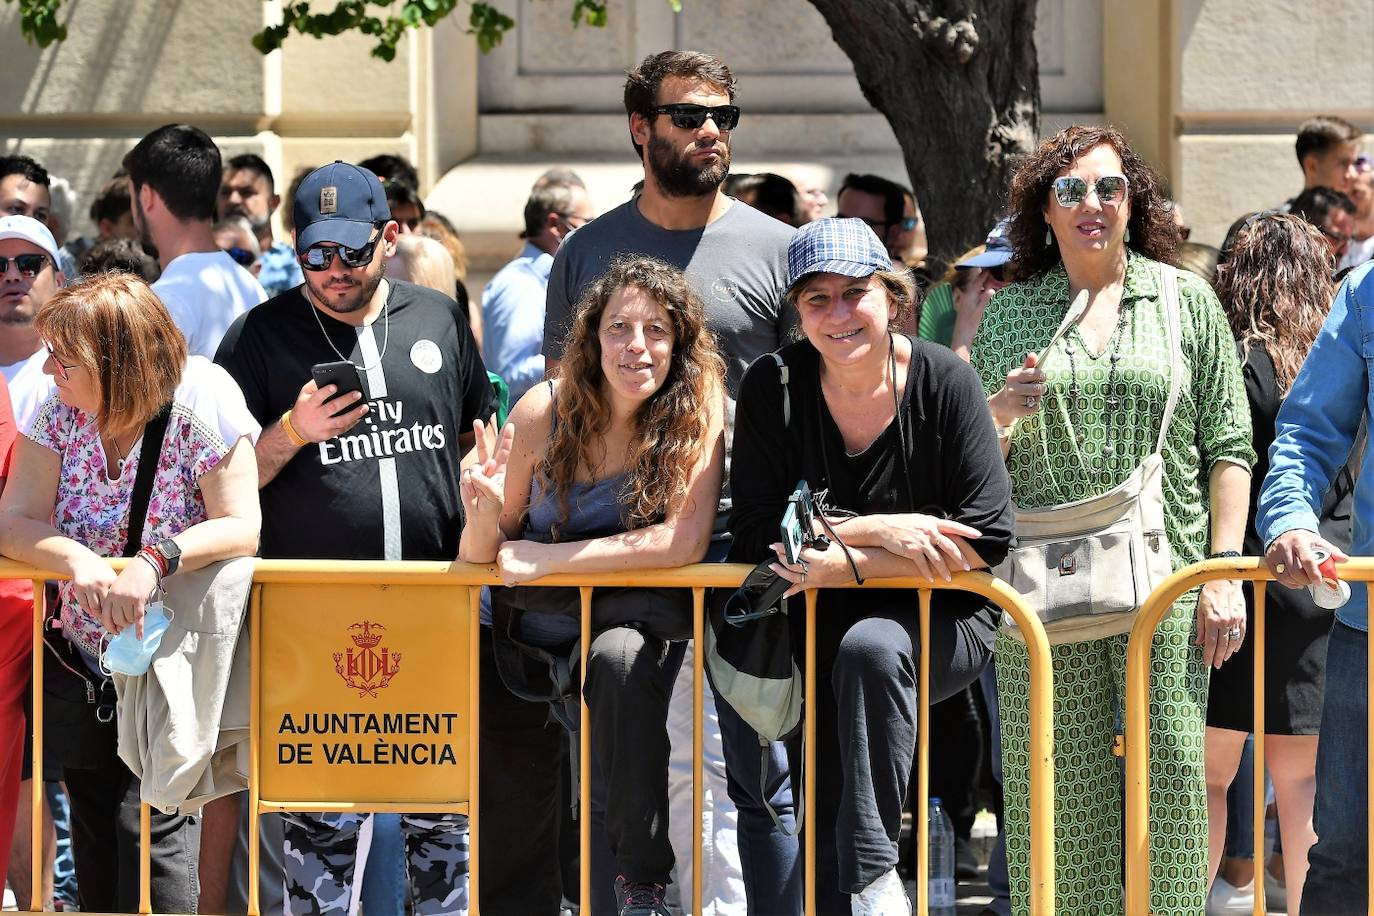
(952, 468)
(387, 488)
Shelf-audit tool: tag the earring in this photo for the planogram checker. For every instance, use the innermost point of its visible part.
(1128, 233)
(1049, 236)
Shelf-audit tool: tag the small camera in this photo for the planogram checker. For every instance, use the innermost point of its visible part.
(798, 524)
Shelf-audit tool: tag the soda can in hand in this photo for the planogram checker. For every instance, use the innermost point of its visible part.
(1329, 593)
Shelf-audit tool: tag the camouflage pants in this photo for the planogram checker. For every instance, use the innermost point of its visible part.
(321, 851)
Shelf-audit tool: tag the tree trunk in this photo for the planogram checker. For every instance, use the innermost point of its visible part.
(958, 80)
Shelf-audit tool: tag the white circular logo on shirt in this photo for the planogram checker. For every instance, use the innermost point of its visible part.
(725, 289)
(426, 357)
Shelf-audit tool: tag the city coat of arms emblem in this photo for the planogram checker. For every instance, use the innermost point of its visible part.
(368, 666)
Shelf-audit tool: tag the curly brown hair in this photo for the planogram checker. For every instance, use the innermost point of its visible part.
(1276, 288)
(1153, 232)
(670, 426)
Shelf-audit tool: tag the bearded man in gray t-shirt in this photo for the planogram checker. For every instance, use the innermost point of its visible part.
(681, 112)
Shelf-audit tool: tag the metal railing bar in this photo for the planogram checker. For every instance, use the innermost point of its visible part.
(698, 745)
(474, 740)
(36, 875)
(1259, 907)
(809, 825)
(584, 760)
(698, 578)
(1252, 569)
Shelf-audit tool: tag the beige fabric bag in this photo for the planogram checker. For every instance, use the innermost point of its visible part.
(1086, 567)
(183, 726)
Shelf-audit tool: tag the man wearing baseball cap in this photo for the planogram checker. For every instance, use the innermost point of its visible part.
(31, 275)
(366, 475)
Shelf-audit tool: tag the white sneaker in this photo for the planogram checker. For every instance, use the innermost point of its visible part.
(1225, 897)
(886, 896)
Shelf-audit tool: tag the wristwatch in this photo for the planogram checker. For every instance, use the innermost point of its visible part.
(170, 554)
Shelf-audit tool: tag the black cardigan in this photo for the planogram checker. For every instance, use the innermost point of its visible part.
(953, 466)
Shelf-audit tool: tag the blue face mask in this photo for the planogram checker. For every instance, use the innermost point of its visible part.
(127, 654)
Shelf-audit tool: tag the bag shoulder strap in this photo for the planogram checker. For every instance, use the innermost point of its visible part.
(1169, 289)
(148, 456)
(1075, 311)
(786, 392)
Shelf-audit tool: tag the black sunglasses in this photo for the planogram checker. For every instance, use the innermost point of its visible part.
(317, 257)
(689, 117)
(28, 265)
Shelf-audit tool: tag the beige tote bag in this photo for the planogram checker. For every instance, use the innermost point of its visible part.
(1086, 567)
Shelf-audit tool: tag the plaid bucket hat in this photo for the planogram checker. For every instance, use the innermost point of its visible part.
(835, 246)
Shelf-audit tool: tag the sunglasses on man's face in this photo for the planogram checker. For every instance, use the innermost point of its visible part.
(1070, 190)
(318, 257)
(28, 265)
(691, 117)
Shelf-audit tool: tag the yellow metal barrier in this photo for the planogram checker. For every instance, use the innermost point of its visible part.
(1156, 607)
(325, 577)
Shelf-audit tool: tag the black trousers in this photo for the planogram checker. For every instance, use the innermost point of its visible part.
(628, 686)
(868, 670)
(105, 799)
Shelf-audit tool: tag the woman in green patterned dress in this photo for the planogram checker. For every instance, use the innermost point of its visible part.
(1088, 215)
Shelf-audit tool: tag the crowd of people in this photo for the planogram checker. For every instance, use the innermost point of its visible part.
(654, 386)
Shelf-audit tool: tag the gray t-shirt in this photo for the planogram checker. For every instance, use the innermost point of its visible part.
(737, 265)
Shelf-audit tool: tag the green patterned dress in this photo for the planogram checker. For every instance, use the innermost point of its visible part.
(1079, 445)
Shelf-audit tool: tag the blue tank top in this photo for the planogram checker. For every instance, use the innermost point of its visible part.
(594, 510)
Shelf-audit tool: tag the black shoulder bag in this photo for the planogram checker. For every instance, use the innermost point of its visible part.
(78, 708)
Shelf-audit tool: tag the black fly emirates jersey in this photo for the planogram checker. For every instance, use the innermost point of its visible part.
(387, 489)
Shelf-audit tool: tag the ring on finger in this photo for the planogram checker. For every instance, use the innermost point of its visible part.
(1233, 634)
(1032, 401)
(1280, 568)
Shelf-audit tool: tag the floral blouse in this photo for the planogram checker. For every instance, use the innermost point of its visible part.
(208, 417)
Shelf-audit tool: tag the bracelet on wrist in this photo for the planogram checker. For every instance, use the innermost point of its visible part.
(1223, 554)
(154, 561)
(296, 438)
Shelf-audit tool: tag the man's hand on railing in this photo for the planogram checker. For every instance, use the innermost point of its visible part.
(1291, 559)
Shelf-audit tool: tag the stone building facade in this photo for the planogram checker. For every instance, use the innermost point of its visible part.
(1210, 92)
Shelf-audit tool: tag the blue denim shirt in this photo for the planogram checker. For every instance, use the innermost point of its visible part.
(513, 320)
(1316, 428)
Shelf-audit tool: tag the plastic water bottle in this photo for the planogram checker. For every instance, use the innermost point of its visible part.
(941, 832)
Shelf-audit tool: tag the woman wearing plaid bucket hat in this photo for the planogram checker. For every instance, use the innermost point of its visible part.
(893, 437)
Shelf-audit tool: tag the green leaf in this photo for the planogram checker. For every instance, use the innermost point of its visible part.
(489, 25)
(592, 12)
(38, 21)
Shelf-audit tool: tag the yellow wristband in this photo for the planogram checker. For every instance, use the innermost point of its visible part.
(296, 438)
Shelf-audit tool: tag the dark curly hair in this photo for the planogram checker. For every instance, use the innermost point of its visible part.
(1276, 288)
(1153, 232)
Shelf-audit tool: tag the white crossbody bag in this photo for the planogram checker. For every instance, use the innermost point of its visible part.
(1086, 567)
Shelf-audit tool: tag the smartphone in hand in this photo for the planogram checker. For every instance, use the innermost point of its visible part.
(342, 373)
